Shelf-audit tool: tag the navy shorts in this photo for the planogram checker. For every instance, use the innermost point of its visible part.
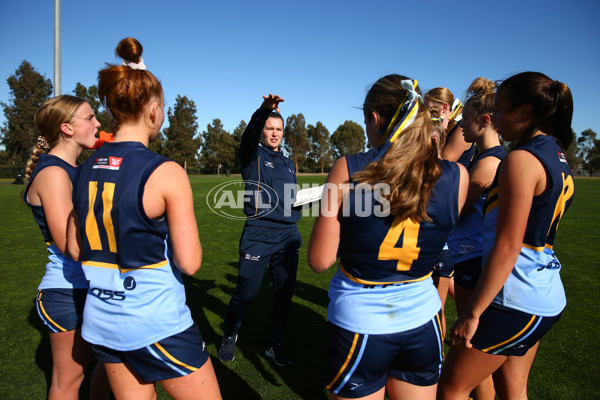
(61, 310)
(358, 365)
(467, 273)
(175, 356)
(509, 332)
(444, 268)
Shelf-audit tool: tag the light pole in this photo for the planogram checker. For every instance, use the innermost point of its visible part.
(57, 83)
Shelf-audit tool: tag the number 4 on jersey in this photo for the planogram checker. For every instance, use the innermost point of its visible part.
(409, 251)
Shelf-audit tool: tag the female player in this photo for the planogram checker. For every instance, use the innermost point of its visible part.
(441, 101)
(384, 328)
(455, 148)
(139, 232)
(519, 295)
(68, 126)
(466, 239)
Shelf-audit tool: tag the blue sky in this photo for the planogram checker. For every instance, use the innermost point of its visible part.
(321, 56)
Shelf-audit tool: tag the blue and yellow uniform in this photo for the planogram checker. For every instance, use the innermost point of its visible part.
(534, 287)
(383, 288)
(136, 296)
(466, 241)
(64, 278)
(270, 235)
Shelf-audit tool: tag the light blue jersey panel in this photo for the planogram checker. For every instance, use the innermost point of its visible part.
(381, 309)
(129, 310)
(62, 272)
(534, 286)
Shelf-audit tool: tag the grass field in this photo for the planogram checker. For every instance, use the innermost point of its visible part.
(566, 366)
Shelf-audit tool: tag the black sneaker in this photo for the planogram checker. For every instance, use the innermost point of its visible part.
(278, 355)
(227, 350)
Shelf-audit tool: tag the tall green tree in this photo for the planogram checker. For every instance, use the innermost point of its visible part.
(572, 154)
(320, 146)
(589, 150)
(295, 139)
(348, 138)
(91, 96)
(237, 139)
(218, 149)
(158, 144)
(180, 142)
(28, 90)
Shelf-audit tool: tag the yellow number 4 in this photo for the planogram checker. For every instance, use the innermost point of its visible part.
(409, 251)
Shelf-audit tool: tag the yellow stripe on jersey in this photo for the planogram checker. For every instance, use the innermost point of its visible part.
(107, 200)
(540, 248)
(531, 321)
(91, 226)
(371, 283)
(491, 206)
(350, 353)
(98, 264)
(46, 314)
(492, 200)
(170, 357)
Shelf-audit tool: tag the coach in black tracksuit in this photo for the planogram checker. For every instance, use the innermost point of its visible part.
(270, 235)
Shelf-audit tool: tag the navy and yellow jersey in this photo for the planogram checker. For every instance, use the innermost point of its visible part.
(379, 250)
(269, 175)
(534, 285)
(466, 240)
(467, 155)
(62, 272)
(383, 283)
(134, 285)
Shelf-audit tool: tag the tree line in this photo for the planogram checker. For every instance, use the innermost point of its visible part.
(310, 147)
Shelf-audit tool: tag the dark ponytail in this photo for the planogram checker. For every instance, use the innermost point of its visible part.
(551, 102)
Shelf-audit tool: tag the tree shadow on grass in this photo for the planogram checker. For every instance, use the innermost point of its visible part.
(43, 355)
(305, 337)
(198, 299)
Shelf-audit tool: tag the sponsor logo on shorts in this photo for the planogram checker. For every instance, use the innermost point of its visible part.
(466, 249)
(354, 386)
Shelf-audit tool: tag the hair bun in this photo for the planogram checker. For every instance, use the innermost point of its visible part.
(130, 49)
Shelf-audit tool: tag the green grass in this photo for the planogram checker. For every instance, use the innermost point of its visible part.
(566, 366)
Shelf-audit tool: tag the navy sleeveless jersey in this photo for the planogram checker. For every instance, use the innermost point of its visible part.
(385, 249)
(126, 256)
(466, 241)
(534, 285)
(62, 271)
(47, 160)
(383, 282)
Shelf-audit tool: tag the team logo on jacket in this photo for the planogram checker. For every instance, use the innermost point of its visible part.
(269, 164)
(112, 163)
